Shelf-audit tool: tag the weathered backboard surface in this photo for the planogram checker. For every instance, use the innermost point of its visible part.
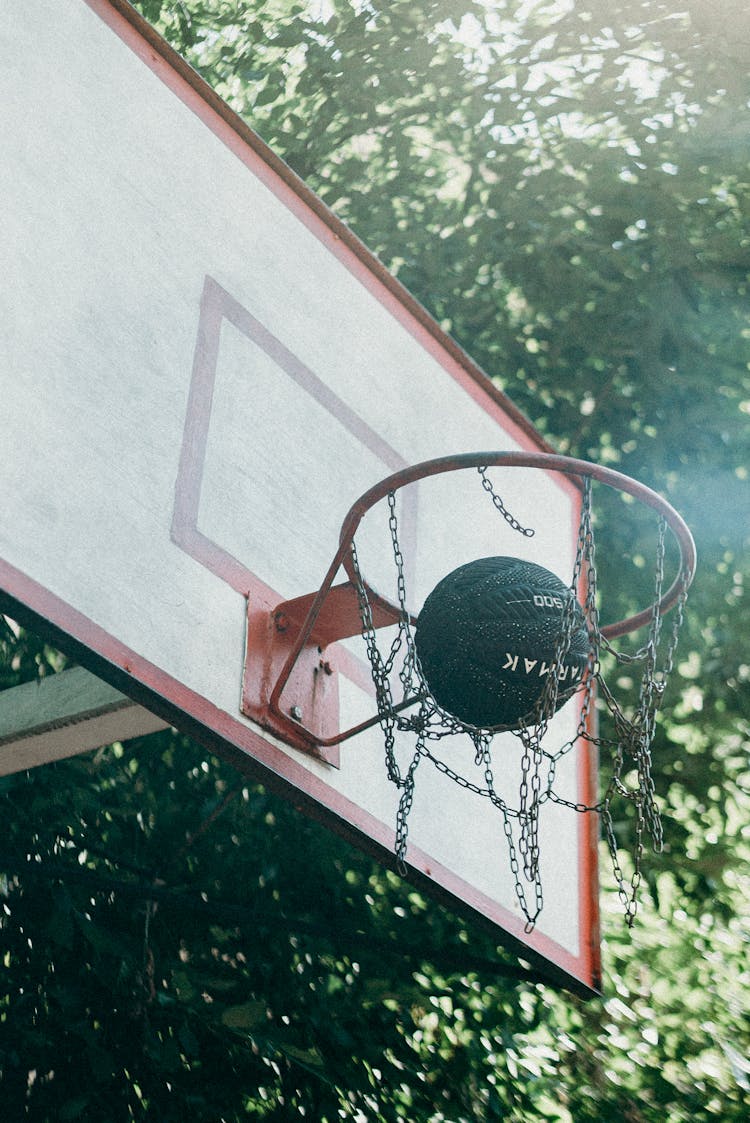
(201, 371)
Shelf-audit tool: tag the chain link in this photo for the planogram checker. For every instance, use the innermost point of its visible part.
(512, 522)
(402, 815)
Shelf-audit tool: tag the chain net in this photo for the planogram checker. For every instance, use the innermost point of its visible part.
(627, 743)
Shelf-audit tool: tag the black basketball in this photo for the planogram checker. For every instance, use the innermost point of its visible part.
(487, 635)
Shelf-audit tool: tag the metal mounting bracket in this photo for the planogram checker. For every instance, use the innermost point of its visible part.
(291, 651)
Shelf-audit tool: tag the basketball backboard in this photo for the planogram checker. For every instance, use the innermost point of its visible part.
(209, 369)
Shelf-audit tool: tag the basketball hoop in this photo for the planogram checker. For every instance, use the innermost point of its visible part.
(578, 650)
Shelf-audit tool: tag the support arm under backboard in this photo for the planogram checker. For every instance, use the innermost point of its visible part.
(63, 715)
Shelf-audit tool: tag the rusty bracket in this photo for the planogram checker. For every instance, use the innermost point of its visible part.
(305, 711)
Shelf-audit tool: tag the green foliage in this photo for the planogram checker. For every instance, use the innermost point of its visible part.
(179, 944)
(565, 187)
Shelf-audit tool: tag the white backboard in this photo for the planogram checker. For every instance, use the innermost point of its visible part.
(201, 370)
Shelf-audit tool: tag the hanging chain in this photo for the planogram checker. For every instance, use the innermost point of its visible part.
(402, 815)
(532, 875)
(398, 557)
(512, 522)
(383, 694)
(635, 735)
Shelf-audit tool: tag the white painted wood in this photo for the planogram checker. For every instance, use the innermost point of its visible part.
(64, 715)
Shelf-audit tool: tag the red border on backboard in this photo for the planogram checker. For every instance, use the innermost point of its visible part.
(172, 700)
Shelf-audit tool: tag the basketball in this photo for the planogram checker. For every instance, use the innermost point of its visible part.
(487, 637)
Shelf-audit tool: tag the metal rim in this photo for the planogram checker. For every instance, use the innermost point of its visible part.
(551, 462)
